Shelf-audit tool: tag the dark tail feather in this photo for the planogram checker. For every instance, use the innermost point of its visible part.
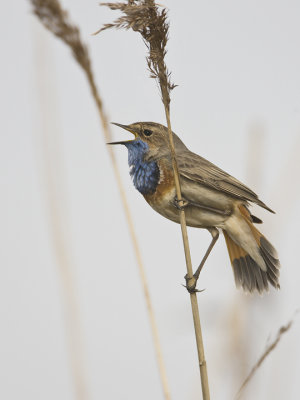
(247, 273)
(270, 257)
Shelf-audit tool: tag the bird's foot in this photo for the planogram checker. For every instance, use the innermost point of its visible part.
(191, 283)
(180, 204)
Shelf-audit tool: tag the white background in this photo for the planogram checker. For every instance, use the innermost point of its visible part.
(237, 65)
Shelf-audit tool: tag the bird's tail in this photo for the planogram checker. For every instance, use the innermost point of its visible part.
(247, 272)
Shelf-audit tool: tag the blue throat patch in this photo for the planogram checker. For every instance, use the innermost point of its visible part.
(145, 175)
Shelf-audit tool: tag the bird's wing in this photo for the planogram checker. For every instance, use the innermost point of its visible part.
(197, 169)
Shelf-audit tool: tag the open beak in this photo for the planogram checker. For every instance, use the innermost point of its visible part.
(127, 128)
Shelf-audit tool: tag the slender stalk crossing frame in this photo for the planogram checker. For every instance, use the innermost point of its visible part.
(146, 18)
(282, 330)
(55, 19)
(193, 296)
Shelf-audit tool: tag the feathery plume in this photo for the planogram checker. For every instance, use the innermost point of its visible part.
(146, 18)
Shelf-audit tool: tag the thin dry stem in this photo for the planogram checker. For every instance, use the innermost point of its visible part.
(146, 18)
(282, 330)
(55, 19)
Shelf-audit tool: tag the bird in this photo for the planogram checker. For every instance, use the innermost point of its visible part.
(212, 199)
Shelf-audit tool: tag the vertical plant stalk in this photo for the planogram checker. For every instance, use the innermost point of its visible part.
(55, 19)
(144, 17)
(193, 296)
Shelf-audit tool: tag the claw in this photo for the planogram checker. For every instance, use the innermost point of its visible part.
(191, 286)
(178, 206)
(191, 290)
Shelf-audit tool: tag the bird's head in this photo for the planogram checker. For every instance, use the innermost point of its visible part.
(153, 138)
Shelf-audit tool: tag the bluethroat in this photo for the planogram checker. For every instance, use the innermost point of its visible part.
(213, 200)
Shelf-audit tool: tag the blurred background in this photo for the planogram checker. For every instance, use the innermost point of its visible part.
(66, 249)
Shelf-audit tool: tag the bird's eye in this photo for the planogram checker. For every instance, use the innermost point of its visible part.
(147, 132)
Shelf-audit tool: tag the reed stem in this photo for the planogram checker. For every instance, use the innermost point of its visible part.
(55, 19)
(146, 18)
(193, 296)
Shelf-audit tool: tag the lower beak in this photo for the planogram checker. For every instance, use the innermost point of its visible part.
(125, 141)
(127, 129)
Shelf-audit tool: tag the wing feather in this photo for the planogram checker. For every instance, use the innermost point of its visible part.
(198, 169)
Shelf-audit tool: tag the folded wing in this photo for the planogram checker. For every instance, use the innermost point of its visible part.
(195, 168)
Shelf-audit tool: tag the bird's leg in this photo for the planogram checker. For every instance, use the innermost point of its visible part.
(192, 282)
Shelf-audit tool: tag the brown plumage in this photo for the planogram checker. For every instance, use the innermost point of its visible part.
(214, 200)
(197, 169)
(246, 271)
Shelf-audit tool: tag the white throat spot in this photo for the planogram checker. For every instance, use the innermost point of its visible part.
(161, 176)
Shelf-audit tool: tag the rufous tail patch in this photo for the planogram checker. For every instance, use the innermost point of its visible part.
(247, 216)
(234, 250)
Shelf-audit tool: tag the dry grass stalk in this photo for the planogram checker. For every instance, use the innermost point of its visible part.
(55, 19)
(282, 330)
(146, 18)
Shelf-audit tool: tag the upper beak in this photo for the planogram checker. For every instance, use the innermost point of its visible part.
(127, 128)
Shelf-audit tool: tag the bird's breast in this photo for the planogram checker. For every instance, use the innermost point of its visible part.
(162, 201)
(145, 176)
(165, 189)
